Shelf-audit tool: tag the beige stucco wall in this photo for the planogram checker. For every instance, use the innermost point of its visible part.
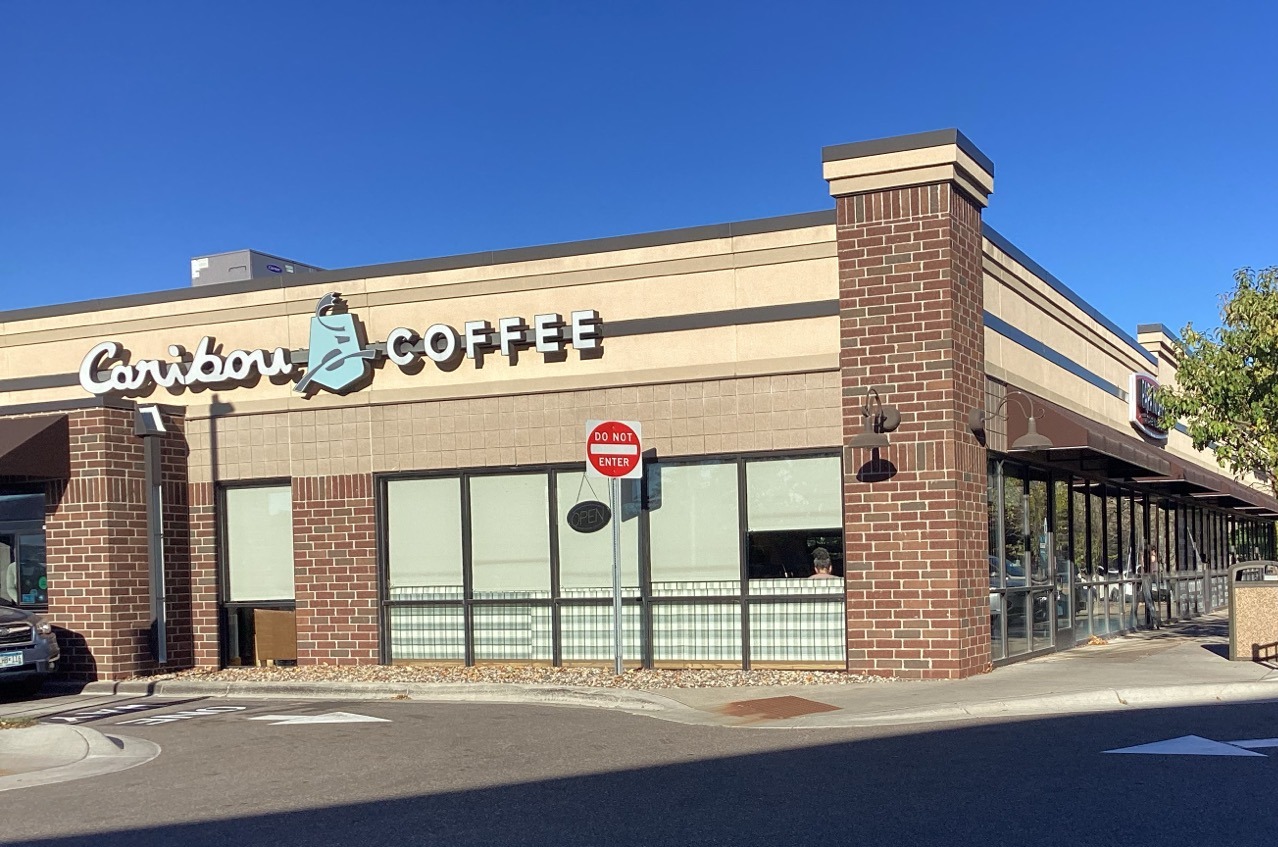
(790, 266)
(1021, 298)
(778, 412)
(740, 383)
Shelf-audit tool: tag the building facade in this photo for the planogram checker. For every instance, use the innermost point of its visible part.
(377, 464)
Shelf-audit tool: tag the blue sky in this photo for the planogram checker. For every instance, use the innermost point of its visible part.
(1133, 143)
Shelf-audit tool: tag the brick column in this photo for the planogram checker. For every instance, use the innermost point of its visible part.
(911, 307)
(335, 569)
(205, 632)
(96, 541)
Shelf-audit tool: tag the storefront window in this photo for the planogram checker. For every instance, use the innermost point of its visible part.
(259, 543)
(1015, 532)
(993, 500)
(794, 521)
(1062, 511)
(424, 538)
(510, 535)
(1038, 528)
(23, 575)
(259, 623)
(694, 533)
(585, 559)
(1127, 551)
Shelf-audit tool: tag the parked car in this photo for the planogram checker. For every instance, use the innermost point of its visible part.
(1015, 578)
(28, 649)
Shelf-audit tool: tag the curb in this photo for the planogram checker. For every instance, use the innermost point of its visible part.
(461, 692)
(89, 753)
(668, 708)
(1098, 700)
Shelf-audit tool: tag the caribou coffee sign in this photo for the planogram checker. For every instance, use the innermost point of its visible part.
(1143, 408)
(338, 360)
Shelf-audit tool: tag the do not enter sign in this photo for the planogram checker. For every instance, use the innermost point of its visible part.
(613, 449)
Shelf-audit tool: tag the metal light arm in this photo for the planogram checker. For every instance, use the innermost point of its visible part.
(879, 420)
(1032, 440)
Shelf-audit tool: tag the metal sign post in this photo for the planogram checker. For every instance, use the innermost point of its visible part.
(614, 451)
(614, 503)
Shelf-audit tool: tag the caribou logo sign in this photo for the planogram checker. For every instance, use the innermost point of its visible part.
(1144, 410)
(339, 360)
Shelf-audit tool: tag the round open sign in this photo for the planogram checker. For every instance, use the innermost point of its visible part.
(589, 516)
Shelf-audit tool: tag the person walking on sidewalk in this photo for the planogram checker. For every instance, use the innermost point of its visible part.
(1149, 574)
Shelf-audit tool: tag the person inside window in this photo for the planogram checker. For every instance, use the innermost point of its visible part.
(822, 566)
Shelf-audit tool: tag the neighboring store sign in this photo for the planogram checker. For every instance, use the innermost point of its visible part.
(589, 516)
(613, 449)
(1144, 410)
(338, 360)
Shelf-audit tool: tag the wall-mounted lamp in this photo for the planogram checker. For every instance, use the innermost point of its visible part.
(879, 420)
(1031, 440)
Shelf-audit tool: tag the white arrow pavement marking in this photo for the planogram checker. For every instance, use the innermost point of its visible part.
(336, 717)
(1255, 742)
(1188, 745)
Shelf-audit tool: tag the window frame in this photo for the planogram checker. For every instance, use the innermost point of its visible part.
(644, 599)
(226, 607)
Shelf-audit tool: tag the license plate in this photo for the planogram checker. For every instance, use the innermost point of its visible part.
(11, 660)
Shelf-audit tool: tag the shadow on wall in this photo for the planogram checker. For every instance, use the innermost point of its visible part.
(77, 662)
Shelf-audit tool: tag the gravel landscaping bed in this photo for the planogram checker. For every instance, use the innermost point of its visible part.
(597, 677)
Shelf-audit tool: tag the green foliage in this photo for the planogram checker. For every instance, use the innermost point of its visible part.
(1226, 388)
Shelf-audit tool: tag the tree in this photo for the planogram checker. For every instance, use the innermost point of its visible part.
(1226, 389)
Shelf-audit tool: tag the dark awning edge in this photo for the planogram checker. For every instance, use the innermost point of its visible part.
(37, 447)
(1091, 447)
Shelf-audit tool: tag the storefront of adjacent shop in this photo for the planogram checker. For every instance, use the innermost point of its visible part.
(379, 464)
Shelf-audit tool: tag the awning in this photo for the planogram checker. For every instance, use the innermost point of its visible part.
(36, 447)
(1089, 447)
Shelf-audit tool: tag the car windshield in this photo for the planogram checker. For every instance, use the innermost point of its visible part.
(1015, 569)
(5, 601)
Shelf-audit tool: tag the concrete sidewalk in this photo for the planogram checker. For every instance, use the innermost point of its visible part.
(45, 754)
(1181, 665)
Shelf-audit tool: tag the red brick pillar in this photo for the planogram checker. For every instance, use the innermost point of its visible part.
(911, 306)
(335, 570)
(205, 626)
(96, 537)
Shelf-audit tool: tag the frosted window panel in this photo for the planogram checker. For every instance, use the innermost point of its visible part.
(794, 493)
(424, 529)
(510, 532)
(695, 533)
(585, 559)
(259, 542)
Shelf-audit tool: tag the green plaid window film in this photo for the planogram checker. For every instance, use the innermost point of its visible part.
(518, 632)
(586, 633)
(427, 633)
(797, 632)
(693, 632)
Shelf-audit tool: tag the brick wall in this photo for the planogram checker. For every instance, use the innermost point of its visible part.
(911, 306)
(206, 646)
(335, 569)
(96, 541)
